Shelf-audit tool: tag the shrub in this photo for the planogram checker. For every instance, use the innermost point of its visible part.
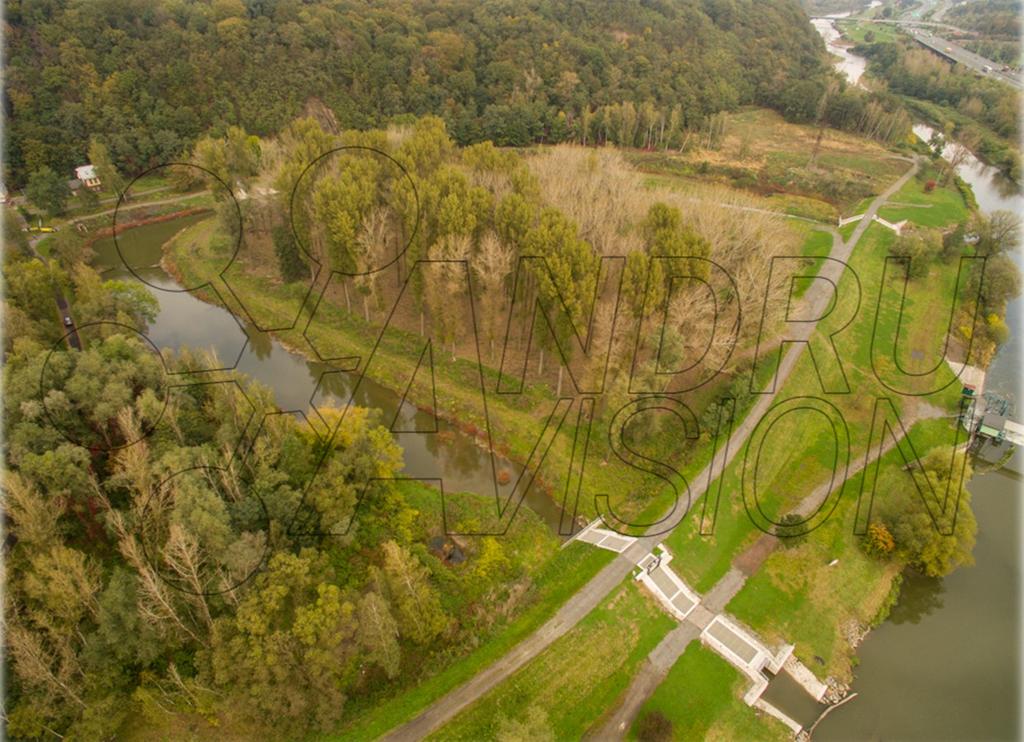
(654, 727)
(791, 530)
(879, 541)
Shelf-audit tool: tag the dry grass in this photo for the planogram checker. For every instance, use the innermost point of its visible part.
(608, 199)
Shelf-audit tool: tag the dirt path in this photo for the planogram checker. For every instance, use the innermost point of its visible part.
(131, 206)
(591, 594)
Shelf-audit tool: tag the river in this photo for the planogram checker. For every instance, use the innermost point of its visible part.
(849, 64)
(946, 664)
(186, 321)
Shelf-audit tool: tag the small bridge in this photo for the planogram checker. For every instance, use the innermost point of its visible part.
(896, 227)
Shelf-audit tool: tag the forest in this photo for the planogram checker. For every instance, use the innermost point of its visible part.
(183, 557)
(148, 79)
(155, 570)
(150, 570)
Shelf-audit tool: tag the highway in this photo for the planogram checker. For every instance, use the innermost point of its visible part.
(956, 53)
(925, 33)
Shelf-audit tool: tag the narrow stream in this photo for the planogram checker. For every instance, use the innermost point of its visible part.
(185, 321)
(946, 663)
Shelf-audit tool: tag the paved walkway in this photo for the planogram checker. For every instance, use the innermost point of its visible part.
(593, 593)
(657, 665)
(651, 673)
(668, 587)
(603, 538)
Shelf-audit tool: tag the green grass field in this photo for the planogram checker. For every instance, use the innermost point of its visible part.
(783, 480)
(804, 437)
(800, 446)
(798, 597)
(856, 31)
(703, 699)
(943, 207)
(578, 677)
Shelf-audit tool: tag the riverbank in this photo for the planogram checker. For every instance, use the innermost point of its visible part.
(945, 663)
(825, 593)
(555, 573)
(512, 419)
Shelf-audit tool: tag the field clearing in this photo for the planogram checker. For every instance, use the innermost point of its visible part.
(856, 31)
(802, 436)
(798, 597)
(942, 207)
(762, 153)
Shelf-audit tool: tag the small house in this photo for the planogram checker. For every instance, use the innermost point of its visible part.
(87, 175)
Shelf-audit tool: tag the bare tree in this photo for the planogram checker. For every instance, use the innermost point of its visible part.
(492, 265)
(374, 248)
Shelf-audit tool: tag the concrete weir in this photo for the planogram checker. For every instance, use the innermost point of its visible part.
(722, 633)
(745, 651)
(603, 538)
(670, 590)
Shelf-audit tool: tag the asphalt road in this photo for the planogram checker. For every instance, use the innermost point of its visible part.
(924, 31)
(960, 55)
(74, 340)
(63, 308)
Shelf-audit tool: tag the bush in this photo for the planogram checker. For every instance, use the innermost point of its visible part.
(919, 542)
(879, 541)
(929, 186)
(791, 530)
(654, 727)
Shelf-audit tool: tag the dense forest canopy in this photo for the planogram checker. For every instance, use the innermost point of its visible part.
(997, 23)
(148, 78)
(137, 564)
(997, 19)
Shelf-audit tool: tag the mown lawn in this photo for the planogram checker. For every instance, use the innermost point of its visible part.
(797, 597)
(943, 207)
(856, 31)
(578, 677)
(703, 699)
(798, 453)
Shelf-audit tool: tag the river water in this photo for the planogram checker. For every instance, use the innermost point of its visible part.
(849, 64)
(186, 321)
(946, 664)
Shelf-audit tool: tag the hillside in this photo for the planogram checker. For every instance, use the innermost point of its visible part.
(148, 78)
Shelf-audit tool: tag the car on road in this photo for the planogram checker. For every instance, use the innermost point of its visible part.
(67, 321)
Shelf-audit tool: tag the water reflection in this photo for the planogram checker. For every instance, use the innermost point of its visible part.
(992, 190)
(261, 342)
(184, 320)
(946, 663)
(920, 596)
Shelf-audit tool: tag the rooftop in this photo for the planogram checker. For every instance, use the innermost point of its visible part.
(86, 172)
